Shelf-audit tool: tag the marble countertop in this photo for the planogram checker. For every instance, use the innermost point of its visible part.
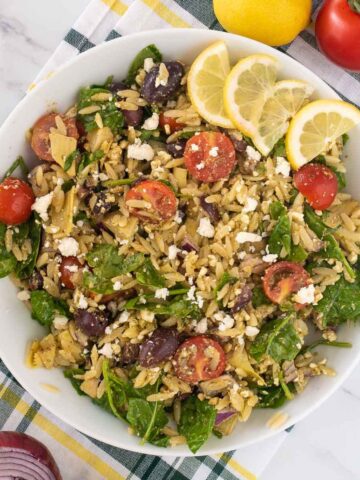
(326, 443)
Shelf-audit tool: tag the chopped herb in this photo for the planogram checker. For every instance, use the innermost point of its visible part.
(18, 163)
(89, 158)
(67, 186)
(70, 159)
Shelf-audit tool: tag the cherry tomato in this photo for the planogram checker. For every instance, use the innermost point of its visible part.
(337, 31)
(69, 267)
(199, 358)
(40, 141)
(318, 184)
(160, 197)
(209, 156)
(284, 278)
(16, 199)
(174, 126)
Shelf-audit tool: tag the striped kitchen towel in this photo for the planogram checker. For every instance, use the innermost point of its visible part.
(79, 456)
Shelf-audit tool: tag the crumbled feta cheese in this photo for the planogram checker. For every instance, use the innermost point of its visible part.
(200, 166)
(251, 331)
(214, 151)
(241, 255)
(71, 268)
(305, 295)
(123, 317)
(250, 205)
(225, 321)
(68, 247)
(140, 151)
(270, 258)
(296, 216)
(60, 322)
(251, 249)
(108, 330)
(60, 181)
(199, 300)
(172, 252)
(195, 147)
(124, 242)
(253, 154)
(243, 237)
(82, 302)
(205, 229)
(151, 123)
(178, 217)
(241, 340)
(191, 281)
(103, 177)
(147, 316)
(106, 350)
(42, 204)
(117, 285)
(201, 326)
(161, 293)
(282, 166)
(80, 223)
(162, 77)
(148, 64)
(191, 293)
(23, 295)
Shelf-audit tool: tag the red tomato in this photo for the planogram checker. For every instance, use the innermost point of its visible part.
(160, 197)
(173, 124)
(318, 184)
(16, 198)
(69, 267)
(40, 141)
(284, 278)
(199, 358)
(337, 31)
(209, 156)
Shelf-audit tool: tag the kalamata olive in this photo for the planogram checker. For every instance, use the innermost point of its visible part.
(176, 149)
(161, 93)
(129, 353)
(114, 87)
(161, 346)
(242, 299)
(210, 208)
(133, 118)
(100, 202)
(36, 281)
(92, 323)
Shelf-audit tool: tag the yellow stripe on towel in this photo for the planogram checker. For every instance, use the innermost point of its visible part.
(166, 14)
(116, 6)
(237, 467)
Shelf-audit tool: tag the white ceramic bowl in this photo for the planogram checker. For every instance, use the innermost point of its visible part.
(16, 326)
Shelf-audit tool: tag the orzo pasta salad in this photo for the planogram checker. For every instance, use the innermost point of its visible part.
(177, 268)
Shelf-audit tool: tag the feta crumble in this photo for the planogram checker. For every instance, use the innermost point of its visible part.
(72, 268)
(250, 205)
(117, 285)
(106, 350)
(68, 247)
(162, 293)
(123, 317)
(200, 166)
(251, 331)
(148, 64)
(178, 217)
(60, 322)
(225, 320)
(140, 151)
(201, 326)
(253, 154)
(205, 229)
(282, 166)
(305, 295)
(172, 252)
(270, 258)
(82, 302)
(243, 237)
(214, 151)
(42, 204)
(152, 122)
(194, 147)
(23, 295)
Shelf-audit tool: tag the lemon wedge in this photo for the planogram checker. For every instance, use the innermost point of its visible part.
(247, 87)
(288, 97)
(316, 127)
(206, 81)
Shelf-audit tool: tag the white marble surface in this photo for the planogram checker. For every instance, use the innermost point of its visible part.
(326, 444)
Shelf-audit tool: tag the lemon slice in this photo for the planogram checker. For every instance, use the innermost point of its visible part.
(287, 98)
(316, 127)
(206, 81)
(247, 88)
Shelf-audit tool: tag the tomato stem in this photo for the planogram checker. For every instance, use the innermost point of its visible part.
(354, 5)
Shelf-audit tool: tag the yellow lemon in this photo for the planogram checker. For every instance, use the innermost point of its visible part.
(274, 22)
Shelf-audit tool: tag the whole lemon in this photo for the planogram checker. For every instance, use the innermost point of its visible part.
(274, 22)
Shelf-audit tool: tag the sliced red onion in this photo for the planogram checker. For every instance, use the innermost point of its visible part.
(223, 415)
(210, 208)
(189, 245)
(242, 299)
(21, 456)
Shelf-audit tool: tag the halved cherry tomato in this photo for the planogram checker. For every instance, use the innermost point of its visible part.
(69, 267)
(174, 126)
(199, 358)
(318, 184)
(209, 156)
(161, 200)
(16, 199)
(284, 278)
(40, 141)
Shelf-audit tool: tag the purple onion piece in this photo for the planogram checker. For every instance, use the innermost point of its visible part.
(210, 208)
(161, 346)
(223, 415)
(242, 299)
(189, 245)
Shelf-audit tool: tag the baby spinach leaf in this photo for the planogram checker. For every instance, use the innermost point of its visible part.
(259, 298)
(151, 51)
(297, 254)
(44, 307)
(327, 343)
(277, 210)
(147, 419)
(24, 269)
(280, 237)
(7, 260)
(89, 158)
(278, 339)
(18, 163)
(180, 307)
(197, 421)
(67, 186)
(70, 159)
(148, 276)
(279, 149)
(146, 135)
(345, 138)
(224, 280)
(270, 397)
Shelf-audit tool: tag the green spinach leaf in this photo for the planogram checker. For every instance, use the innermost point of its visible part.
(270, 397)
(280, 237)
(224, 280)
(89, 158)
(18, 163)
(277, 210)
(8, 261)
(327, 343)
(297, 254)
(44, 307)
(70, 159)
(151, 51)
(259, 298)
(148, 276)
(147, 419)
(279, 149)
(24, 269)
(180, 307)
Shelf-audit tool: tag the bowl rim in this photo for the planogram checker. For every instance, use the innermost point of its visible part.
(35, 392)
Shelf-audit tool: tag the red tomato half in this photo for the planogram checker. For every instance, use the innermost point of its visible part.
(40, 141)
(318, 184)
(284, 278)
(174, 126)
(209, 156)
(69, 267)
(16, 199)
(199, 358)
(337, 31)
(160, 197)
